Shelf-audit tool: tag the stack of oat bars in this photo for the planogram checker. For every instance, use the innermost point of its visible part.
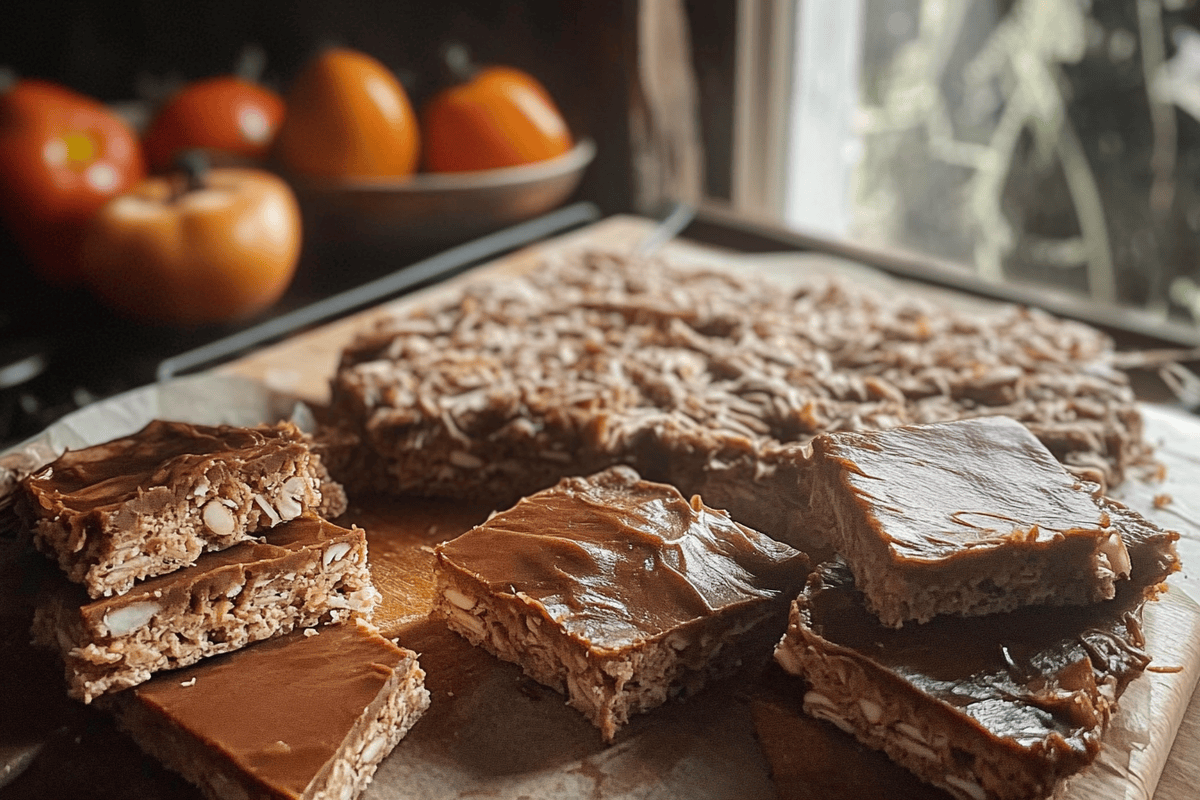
(180, 547)
(982, 617)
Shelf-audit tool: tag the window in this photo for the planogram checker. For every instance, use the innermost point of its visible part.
(1052, 143)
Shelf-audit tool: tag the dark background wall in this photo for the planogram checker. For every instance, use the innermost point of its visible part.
(114, 51)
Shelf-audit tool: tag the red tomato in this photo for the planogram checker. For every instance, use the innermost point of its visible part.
(224, 115)
(62, 157)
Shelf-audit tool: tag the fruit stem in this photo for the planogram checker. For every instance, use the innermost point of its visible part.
(251, 63)
(457, 58)
(194, 165)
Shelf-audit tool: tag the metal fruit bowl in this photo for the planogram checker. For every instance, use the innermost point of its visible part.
(429, 208)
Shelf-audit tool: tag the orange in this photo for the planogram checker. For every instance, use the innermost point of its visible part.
(500, 117)
(348, 116)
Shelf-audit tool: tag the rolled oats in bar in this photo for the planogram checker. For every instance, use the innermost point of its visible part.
(304, 573)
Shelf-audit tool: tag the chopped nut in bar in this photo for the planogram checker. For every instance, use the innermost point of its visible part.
(618, 592)
(999, 707)
(152, 502)
(297, 717)
(967, 517)
(306, 572)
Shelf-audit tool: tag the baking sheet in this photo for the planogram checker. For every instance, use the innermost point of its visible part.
(490, 731)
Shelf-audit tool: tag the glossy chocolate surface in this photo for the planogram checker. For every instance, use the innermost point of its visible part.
(1023, 676)
(112, 473)
(279, 709)
(937, 492)
(615, 560)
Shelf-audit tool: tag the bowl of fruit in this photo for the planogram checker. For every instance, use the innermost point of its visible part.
(200, 215)
(488, 150)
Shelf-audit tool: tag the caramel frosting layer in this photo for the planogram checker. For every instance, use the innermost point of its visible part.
(280, 710)
(615, 560)
(942, 491)
(116, 472)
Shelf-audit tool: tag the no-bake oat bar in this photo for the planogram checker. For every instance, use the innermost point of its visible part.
(304, 717)
(989, 708)
(618, 592)
(707, 380)
(968, 517)
(305, 572)
(152, 502)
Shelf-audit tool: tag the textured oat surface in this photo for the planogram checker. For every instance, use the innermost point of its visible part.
(700, 378)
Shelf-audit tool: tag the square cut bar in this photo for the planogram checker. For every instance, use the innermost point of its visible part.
(988, 708)
(969, 517)
(299, 716)
(152, 502)
(617, 592)
(305, 572)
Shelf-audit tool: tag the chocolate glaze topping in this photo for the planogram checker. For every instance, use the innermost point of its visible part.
(941, 491)
(615, 560)
(1027, 676)
(115, 472)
